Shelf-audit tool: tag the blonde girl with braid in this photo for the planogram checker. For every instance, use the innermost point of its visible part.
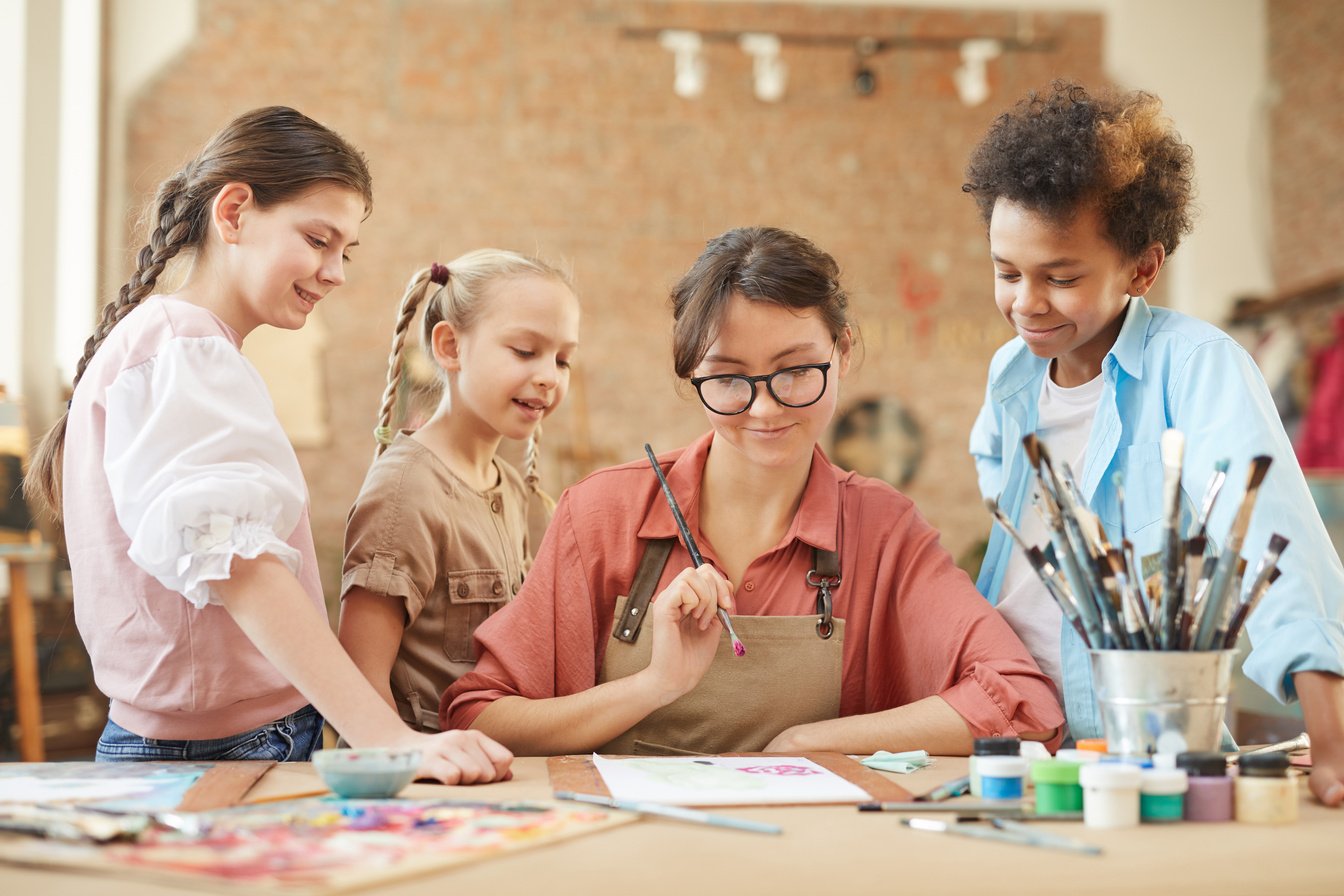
(185, 511)
(438, 539)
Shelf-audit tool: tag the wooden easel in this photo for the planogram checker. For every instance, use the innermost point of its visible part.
(20, 547)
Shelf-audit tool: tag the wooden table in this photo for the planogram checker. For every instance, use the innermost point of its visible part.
(838, 850)
(23, 641)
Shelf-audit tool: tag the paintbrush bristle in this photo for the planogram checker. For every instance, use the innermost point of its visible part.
(1277, 543)
(1259, 467)
(1195, 546)
(1274, 575)
(1038, 561)
(1172, 447)
(992, 506)
(739, 649)
(1032, 446)
(1222, 465)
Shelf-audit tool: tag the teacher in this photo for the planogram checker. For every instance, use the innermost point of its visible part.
(861, 633)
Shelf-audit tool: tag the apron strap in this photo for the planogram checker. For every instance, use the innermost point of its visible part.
(825, 577)
(650, 571)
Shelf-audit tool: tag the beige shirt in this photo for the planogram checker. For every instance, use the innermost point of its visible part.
(452, 555)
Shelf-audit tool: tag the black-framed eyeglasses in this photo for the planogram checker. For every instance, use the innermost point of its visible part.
(730, 394)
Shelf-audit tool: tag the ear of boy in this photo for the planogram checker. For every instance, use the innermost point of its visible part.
(447, 351)
(1149, 263)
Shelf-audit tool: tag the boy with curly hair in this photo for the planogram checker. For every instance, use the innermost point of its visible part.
(1085, 195)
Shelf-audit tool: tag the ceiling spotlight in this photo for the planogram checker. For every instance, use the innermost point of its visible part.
(971, 77)
(769, 73)
(690, 68)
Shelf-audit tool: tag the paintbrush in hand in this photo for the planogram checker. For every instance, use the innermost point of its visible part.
(739, 649)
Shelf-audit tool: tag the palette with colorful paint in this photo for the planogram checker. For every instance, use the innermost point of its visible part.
(369, 773)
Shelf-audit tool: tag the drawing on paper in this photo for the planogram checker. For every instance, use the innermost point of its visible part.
(725, 781)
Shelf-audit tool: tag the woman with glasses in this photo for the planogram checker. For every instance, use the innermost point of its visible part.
(860, 633)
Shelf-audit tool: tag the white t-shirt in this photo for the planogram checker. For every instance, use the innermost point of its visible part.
(1064, 424)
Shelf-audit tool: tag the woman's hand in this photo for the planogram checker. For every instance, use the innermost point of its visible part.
(461, 757)
(686, 629)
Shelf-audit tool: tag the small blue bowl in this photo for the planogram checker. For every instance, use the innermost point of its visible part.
(368, 773)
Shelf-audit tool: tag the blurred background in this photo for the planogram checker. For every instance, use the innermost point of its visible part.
(616, 138)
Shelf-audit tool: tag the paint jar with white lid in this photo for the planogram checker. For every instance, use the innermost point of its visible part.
(1001, 777)
(1110, 794)
(1266, 790)
(1210, 795)
(989, 746)
(1162, 794)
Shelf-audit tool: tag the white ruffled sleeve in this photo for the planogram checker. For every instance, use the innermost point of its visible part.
(199, 468)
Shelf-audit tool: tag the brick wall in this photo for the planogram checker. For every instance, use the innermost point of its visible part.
(1306, 129)
(536, 125)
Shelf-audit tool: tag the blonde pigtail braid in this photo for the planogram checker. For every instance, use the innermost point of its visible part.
(415, 294)
(531, 477)
(172, 231)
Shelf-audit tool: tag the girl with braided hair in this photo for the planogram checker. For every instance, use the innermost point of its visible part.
(438, 538)
(185, 511)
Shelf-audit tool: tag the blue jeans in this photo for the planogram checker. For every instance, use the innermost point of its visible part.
(291, 739)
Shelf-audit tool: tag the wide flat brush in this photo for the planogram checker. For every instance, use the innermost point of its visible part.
(739, 649)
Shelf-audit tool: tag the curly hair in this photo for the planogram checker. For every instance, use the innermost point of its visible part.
(1059, 151)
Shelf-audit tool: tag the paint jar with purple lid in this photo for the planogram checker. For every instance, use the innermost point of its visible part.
(1110, 794)
(1266, 790)
(1210, 795)
(1001, 777)
(1162, 794)
(990, 746)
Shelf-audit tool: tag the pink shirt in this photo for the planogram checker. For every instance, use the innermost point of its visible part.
(914, 624)
(175, 463)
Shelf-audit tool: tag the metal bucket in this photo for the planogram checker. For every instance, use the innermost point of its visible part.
(1162, 701)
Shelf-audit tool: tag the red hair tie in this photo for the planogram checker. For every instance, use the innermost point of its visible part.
(438, 273)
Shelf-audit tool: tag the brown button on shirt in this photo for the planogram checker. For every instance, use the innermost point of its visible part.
(451, 554)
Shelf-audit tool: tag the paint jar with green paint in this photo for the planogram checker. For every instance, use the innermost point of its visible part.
(1057, 789)
(1162, 794)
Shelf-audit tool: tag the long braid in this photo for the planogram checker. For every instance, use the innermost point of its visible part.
(172, 232)
(415, 293)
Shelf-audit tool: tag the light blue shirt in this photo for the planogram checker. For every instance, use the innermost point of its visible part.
(1169, 370)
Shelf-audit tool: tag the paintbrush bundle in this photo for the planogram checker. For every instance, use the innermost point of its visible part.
(1197, 600)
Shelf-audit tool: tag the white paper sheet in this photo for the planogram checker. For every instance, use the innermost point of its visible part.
(725, 781)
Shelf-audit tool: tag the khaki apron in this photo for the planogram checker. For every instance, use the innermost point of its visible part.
(790, 675)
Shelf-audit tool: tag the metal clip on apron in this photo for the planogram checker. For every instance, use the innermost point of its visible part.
(825, 577)
(790, 675)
